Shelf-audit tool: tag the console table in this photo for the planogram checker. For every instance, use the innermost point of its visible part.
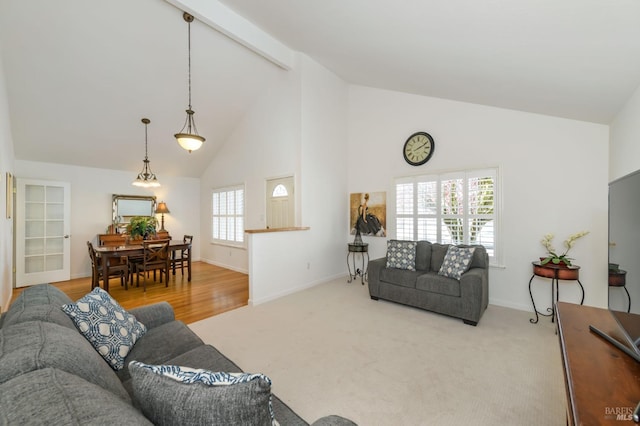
(601, 381)
(556, 273)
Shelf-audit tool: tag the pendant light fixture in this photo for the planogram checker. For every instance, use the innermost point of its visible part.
(146, 178)
(188, 137)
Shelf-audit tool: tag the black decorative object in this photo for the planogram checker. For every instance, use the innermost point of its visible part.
(358, 239)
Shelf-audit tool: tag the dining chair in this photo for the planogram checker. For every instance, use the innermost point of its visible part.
(155, 258)
(120, 269)
(180, 258)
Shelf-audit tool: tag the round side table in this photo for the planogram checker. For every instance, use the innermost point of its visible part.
(618, 278)
(363, 249)
(556, 273)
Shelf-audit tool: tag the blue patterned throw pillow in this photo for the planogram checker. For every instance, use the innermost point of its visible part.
(110, 329)
(401, 254)
(206, 397)
(456, 262)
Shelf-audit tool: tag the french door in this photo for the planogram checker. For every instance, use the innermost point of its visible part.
(43, 247)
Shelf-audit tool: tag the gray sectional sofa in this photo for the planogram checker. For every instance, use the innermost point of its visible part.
(51, 374)
(424, 288)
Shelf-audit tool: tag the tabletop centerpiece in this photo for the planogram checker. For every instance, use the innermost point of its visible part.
(552, 255)
(142, 227)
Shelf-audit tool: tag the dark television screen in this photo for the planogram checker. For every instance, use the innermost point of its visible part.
(624, 259)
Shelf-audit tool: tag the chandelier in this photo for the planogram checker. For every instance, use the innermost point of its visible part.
(188, 137)
(146, 178)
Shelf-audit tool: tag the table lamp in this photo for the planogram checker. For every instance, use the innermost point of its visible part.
(162, 209)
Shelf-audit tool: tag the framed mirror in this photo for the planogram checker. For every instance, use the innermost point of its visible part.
(127, 206)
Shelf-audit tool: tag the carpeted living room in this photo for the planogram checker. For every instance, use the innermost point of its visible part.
(331, 349)
(329, 135)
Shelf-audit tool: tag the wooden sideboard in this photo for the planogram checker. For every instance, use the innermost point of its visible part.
(116, 240)
(602, 382)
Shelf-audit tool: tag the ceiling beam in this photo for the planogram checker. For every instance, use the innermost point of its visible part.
(236, 27)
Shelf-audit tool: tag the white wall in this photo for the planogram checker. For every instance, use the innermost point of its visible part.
(298, 128)
(624, 155)
(553, 175)
(324, 176)
(91, 212)
(6, 225)
(263, 145)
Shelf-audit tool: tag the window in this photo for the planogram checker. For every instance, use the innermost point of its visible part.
(228, 215)
(279, 191)
(452, 208)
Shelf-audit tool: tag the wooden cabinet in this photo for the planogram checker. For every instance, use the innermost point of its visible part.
(116, 240)
(163, 235)
(112, 240)
(602, 382)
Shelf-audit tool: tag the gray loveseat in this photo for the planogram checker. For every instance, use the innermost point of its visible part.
(50, 374)
(424, 288)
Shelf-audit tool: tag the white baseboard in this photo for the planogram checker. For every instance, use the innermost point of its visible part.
(509, 304)
(223, 265)
(293, 290)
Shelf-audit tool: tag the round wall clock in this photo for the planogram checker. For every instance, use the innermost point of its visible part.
(418, 149)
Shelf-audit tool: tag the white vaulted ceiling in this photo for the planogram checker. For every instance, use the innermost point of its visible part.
(80, 75)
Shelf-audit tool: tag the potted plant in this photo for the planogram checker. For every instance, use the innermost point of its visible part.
(141, 227)
(559, 259)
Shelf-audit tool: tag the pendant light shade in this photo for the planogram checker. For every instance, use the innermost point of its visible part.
(146, 178)
(188, 137)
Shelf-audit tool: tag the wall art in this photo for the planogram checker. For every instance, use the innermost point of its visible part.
(368, 213)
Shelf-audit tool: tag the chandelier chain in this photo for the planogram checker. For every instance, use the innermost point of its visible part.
(189, 48)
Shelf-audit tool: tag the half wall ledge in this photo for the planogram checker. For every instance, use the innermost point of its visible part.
(293, 228)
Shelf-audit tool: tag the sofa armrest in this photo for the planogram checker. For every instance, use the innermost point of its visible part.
(373, 275)
(154, 315)
(474, 289)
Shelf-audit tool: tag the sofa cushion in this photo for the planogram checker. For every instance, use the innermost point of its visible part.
(106, 325)
(438, 252)
(170, 395)
(456, 262)
(438, 284)
(156, 347)
(401, 254)
(55, 397)
(333, 420)
(400, 277)
(40, 302)
(423, 256)
(35, 345)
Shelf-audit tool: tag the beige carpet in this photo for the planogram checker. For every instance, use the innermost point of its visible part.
(331, 349)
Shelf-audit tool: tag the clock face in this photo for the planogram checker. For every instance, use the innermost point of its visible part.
(418, 149)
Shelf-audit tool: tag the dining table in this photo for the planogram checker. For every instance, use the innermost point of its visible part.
(114, 252)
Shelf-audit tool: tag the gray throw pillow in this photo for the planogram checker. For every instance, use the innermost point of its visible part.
(456, 262)
(110, 329)
(401, 254)
(170, 395)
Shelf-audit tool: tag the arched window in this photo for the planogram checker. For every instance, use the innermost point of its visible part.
(279, 191)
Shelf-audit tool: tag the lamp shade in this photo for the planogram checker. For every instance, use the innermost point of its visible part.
(162, 208)
(190, 142)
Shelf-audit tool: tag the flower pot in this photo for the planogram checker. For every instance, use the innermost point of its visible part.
(560, 264)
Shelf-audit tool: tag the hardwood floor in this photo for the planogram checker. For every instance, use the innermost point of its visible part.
(212, 290)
